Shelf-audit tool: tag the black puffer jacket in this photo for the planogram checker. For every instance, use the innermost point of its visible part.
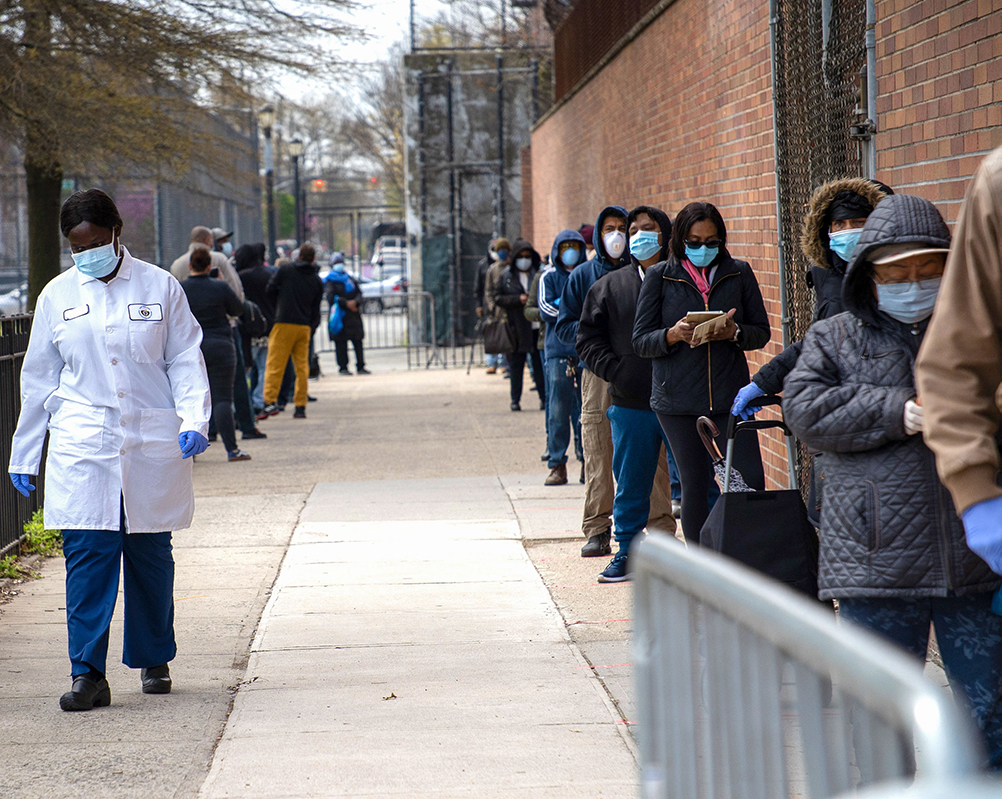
(509, 292)
(693, 381)
(825, 275)
(888, 526)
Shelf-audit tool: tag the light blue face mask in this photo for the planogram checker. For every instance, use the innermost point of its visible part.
(701, 256)
(908, 302)
(644, 245)
(227, 249)
(844, 242)
(570, 257)
(97, 261)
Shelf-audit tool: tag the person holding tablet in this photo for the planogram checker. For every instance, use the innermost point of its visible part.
(699, 374)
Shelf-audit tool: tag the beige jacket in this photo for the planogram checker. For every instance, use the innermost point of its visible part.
(959, 370)
(493, 310)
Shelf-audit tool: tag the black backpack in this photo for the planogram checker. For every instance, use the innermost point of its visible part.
(253, 321)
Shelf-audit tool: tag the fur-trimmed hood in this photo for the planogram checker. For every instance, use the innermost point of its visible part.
(814, 238)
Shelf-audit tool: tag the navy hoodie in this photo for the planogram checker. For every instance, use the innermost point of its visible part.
(582, 278)
(551, 289)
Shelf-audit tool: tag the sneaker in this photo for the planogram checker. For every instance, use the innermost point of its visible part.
(269, 410)
(491, 370)
(557, 476)
(516, 406)
(300, 412)
(598, 546)
(618, 570)
(344, 371)
(255, 433)
(362, 371)
(676, 508)
(237, 455)
(311, 399)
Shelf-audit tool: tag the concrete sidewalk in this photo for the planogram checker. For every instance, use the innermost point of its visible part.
(423, 495)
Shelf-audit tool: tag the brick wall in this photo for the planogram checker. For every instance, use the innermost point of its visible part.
(683, 113)
(939, 101)
(527, 229)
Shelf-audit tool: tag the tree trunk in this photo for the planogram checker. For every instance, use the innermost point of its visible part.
(45, 185)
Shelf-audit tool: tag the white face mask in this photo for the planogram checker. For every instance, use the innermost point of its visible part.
(523, 264)
(615, 243)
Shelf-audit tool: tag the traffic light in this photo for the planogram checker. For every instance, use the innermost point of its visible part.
(319, 184)
(373, 180)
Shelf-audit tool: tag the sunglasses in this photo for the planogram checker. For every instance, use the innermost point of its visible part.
(695, 245)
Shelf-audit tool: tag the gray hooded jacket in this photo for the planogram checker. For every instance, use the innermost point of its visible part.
(888, 526)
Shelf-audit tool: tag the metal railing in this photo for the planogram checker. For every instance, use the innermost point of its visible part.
(746, 689)
(15, 510)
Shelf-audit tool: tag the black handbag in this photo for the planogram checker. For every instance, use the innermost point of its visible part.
(499, 337)
(252, 320)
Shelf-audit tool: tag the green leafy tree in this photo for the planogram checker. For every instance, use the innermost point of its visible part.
(109, 86)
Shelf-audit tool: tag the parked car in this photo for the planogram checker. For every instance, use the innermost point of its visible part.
(15, 301)
(378, 295)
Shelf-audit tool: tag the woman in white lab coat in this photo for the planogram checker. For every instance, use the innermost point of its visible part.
(114, 374)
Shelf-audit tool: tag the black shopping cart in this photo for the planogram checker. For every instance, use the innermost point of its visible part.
(766, 530)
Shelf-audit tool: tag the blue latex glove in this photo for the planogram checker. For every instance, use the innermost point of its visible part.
(983, 525)
(746, 395)
(192, 443)
(22, 482)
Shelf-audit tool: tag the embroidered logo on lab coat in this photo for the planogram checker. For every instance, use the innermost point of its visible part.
(73, 313)
(146, 313)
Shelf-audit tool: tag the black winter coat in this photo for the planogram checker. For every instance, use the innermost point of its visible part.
(509, 292)
(296, 291)
(334, 292)
(888, 525)
(605, 338)
(693, 381)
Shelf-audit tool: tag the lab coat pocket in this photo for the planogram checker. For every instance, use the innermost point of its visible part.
(158, 430)
(146, 341)
(78, 430)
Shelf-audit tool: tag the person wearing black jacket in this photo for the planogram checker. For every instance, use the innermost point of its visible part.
(254, 275)
(689, 382)
(605, 344)
(511, 295)
(297, 291)
(210, 301)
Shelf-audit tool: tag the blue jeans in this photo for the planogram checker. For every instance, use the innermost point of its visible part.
(93, 560)
(563, 412)
(493, 360)
(637, 438)
(970, 640)
(259, 354)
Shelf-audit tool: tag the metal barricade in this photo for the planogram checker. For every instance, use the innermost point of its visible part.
(746, 689)
(15, 510)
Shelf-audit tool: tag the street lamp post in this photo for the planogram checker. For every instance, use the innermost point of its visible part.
(296, 150)
(266, 119)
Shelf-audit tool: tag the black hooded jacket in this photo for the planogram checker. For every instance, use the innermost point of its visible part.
(605, 330)
(888, 525)
(510, 291)
(297, 291)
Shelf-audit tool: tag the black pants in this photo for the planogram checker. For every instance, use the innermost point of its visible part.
(288, 388)
(695, 468)
(241, 394)
(220, 364)
(516, 366)
(341, 353)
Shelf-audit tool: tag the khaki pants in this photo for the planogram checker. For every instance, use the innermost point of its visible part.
(596, 440)
(286, 340)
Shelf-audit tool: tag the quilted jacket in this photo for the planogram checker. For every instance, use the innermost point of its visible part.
(692, 381)
(888, 526)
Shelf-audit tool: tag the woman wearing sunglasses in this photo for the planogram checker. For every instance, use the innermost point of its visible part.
(692, 379)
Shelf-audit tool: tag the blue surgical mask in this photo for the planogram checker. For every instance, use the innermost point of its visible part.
(502, 255)
(908, 302)
(338, 267)
(844, 242)
(97, 261)
(570, 257)
(644, 244)
(227, 249)
(701, 256)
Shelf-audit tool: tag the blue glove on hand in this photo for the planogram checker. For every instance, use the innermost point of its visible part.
(192, 443)
(983, 524)
(746, 395)
(22, 482)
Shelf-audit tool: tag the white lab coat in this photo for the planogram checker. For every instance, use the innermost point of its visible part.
(114, 372)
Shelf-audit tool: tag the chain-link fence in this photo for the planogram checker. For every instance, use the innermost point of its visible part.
(820, 63)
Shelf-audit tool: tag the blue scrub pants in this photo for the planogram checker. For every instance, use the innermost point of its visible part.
(637, 438)
(93, 559)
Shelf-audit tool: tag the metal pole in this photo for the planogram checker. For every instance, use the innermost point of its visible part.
(351, 228)
(269, 186)
(534, 66)
(450, 154)
(298, 210)
(412, 26)
(504, 25)
(871, 86)
(501, 186)
(791, 447)
(420, 153)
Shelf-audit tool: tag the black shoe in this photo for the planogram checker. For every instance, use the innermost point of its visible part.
(597, 546)
(344, 371)
(86, 693)
(300, 412)
(516, 407)
(618, 570)
(545, 456)
(582, 473)
(211, 437)
(156, 680)
(542, 405)
(311, 399)
(255, 433)
(362, 371)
